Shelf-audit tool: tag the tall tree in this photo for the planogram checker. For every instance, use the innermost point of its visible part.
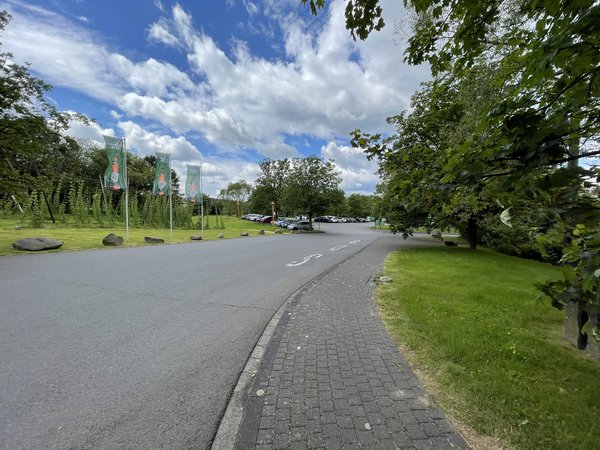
(32, 146)
(310, 186)
(360, 205)
(548, 54)
(237, 192)
(271, 180)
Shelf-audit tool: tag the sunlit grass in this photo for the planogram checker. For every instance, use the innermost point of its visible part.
(81, 237)
(490, 350)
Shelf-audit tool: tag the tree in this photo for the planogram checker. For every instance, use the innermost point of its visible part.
(546, 55)
(238, 192)
(32, 146)
(310, 186)
(361, 205)
(337, 203)
(362, 16)
(270, 183)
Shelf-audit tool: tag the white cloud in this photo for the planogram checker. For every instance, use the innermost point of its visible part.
(157, 32)
(323, 85)
(145, 142)
(357, 172)
(91, 132)
(251, 8)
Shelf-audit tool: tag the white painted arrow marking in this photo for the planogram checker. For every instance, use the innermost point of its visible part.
(304, 261)
(338, 247)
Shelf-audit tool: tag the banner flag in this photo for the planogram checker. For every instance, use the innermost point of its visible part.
(162, 174)
(192, 184)
(114, 175)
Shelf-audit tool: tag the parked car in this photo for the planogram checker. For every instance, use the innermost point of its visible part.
(299, 225)
(266, 219)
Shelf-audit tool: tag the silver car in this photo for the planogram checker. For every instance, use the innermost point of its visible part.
(299, 225)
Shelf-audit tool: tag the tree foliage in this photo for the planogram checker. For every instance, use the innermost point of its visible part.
(362, 16)
(311, 185)
(237, 192)
(513, 106)
(33, 150)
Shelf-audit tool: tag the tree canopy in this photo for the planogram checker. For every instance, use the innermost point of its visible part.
(492, 143)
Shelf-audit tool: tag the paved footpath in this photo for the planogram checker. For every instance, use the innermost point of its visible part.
(331, 377)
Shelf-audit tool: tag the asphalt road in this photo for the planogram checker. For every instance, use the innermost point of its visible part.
(141, 347)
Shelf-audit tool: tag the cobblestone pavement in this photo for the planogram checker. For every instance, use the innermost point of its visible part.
(331, 377)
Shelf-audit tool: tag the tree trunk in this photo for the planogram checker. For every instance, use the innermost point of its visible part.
(472, 233)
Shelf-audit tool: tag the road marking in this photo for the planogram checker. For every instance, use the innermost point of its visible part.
(339, 247)
(304, 261)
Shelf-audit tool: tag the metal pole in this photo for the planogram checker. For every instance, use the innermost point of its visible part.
(201, 202)
(126, 191)
(170, 200)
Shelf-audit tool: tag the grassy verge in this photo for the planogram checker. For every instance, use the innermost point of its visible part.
(492, 355)
(82, 237)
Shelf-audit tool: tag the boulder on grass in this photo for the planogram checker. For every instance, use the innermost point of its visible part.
(37, 244)
(244, 233)
(261, 231)
(153, 240)
(220, 235)
(112, 240)
(196, 237)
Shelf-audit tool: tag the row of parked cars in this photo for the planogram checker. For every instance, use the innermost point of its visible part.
(283, 222)
(334, 219)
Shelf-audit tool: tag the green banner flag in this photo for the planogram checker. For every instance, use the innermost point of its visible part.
(162, 174)
(192, 184)
(114, 175)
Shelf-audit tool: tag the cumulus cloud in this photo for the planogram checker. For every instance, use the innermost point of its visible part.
(321, 85)
(91, 132)
(357, 172)
(147, 143)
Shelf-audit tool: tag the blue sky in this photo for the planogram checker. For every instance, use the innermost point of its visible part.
(224, 83)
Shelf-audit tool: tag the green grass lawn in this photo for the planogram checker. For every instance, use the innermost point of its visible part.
(80, 237)
(489, 349)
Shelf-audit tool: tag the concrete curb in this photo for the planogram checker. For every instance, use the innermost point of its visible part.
(230, 423)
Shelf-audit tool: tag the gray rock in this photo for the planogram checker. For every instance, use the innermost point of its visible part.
(244, 233)
(220, 236)
(261, 231)
(17, 227)
(196, 237)
(37, 244)
(278, 231)
(385, 279)
(154, 240)
(112, 240)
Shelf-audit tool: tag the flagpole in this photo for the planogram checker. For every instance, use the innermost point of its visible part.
(201, 202)
(126, 191)
(170, 200)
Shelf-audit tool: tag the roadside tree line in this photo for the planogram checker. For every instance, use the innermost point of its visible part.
(501, 143)
(297, 186)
